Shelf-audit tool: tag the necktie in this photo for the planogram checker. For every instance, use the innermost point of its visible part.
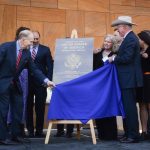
(18, 58)
(33, 55)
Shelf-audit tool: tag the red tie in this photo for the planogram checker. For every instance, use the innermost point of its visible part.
(33, 55)
(18, 58)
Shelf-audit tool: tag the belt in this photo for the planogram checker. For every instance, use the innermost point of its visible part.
(146, 72)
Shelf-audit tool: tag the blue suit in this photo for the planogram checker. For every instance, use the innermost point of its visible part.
(44, 62)
(130, 76)
(10, 88)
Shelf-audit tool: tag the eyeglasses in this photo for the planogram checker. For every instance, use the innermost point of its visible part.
(36, 38)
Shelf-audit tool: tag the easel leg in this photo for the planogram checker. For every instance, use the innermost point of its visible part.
(48, 132)
(92, 131)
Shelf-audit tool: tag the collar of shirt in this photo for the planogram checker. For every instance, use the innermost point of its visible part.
(127, 34)
(17, 47)
(35, 47)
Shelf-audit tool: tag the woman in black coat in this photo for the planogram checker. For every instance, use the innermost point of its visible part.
(106, 127)
(143, 94)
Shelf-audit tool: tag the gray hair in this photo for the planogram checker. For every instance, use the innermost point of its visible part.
(25, 34)
(110, 37)
(116, 41)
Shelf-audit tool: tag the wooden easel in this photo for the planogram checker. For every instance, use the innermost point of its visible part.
(77, 122)
(51, 122)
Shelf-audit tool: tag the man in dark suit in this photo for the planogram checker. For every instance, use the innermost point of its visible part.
(41, 56)
(129, 75)
(14, 57)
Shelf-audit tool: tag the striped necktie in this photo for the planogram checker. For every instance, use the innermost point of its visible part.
(33, 55)
(18, 58)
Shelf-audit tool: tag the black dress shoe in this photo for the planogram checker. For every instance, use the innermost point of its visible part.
(7, 142)
(21, 140)
(144, 136)
(30, 135)
(69, 135)
(40, 135)
(122, 138)
(129, 140)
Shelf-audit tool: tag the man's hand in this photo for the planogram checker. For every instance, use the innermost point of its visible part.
(95, 51)
(144, 55)
(112, 58)
(51, 84)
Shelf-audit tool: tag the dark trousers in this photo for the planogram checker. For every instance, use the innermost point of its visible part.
(107, 128)
(60, 128)
(130, 123)
(39, 93)
(11, 98)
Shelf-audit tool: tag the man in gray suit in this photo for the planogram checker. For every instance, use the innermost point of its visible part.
(129, 75)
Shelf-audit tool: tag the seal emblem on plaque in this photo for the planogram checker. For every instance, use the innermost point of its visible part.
(73, 61)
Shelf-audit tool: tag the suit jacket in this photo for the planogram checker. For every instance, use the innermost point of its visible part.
(44, 62)
(128, 62)
(8, 72)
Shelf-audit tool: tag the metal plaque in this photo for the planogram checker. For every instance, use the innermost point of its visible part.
(73, 58)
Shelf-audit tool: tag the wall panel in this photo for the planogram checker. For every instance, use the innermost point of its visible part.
(16, 2)
(34, 26)
(90, 17)
(52, 31)
(129, 10)
(2, 8)
(98, 42)
(95, 24)
(23, 23)
(8, 23)
(44, 3)
(94, 5)
(41, 14)
(123, 2)
(143, 22)
(143, 3)
(75, 20)
(68, 4)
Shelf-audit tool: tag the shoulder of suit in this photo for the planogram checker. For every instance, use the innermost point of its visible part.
(8, 44)
(43, 46)
(132, 35)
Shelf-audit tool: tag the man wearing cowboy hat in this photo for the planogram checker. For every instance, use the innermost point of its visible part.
(129, 75)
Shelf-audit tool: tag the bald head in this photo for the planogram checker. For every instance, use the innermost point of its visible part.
(36, 35)
(26, 34)
(26, 39)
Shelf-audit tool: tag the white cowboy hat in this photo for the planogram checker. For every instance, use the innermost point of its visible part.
(123, 20)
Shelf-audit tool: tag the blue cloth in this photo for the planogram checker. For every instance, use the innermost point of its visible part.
(94, 95)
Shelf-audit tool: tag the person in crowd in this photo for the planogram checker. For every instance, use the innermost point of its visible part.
(143, 93)
(118, 40)
(106, 127)
(42, 58)
(24, 84)
(129, 71)
(116, 33)
(14, 57)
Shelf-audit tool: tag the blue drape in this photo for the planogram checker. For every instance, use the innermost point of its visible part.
(94, 95)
